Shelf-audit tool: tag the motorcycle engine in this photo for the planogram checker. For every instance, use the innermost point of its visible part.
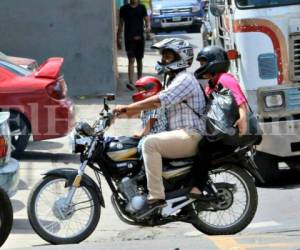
(128, 188)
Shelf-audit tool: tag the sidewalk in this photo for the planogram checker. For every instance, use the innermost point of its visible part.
(149, 61)
(123, 96)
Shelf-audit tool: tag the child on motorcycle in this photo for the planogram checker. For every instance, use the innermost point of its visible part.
(153, 121)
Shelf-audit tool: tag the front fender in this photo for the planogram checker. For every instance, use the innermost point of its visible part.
(70, 174)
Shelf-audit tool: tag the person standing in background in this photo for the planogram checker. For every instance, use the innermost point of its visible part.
(148, 5)
(133, 16)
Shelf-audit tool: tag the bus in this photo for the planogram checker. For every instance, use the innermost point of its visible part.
(262, 39)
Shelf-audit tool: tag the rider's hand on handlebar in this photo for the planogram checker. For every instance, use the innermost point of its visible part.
(119, 110)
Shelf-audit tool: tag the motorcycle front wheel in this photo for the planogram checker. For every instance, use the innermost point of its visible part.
(236, 206)
(6, 216)
(56, 223)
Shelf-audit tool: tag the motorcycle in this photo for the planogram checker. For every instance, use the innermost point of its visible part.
(64, 207)
(6, 216)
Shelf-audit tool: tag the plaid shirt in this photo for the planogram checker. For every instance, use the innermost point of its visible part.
(184, 87)
(161, 123)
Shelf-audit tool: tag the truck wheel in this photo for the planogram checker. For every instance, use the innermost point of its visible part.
(195, 28)
(267, 167)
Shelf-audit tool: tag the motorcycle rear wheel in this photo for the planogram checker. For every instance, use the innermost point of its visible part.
(6, 216)
(205, 221)
(49, 224)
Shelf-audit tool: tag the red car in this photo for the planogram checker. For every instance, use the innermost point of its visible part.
(37, 101)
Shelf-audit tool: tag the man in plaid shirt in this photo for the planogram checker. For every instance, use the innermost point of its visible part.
(185, 128)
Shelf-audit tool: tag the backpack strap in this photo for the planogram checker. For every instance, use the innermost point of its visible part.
(195, 112)
(205, 98)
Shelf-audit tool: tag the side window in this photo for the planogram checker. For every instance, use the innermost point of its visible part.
(15, 69)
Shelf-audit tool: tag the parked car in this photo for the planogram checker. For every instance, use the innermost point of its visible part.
(37, 101)
(27, 63)
(9, 178)
(9, 167)
(168, 14)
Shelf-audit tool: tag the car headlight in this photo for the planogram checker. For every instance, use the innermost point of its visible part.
(155, 12)
(274, 100)
(196, 8)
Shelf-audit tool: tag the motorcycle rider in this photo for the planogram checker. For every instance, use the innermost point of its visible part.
(184, 125)
(214, 66)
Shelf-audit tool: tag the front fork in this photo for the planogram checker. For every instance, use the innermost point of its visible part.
(77, 180)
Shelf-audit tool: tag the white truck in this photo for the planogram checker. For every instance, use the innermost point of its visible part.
(262, 38)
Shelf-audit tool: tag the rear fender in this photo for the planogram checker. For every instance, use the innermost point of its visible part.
(247, 164)
(251, 167)
(70, 174)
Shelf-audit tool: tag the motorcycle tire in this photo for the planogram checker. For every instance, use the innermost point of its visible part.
(6, 216)
(42, 232)
(251, 205)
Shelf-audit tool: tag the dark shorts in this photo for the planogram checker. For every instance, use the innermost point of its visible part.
(135, 48)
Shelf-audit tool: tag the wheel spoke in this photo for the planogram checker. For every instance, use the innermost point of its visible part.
(63, 223)
(235, 202)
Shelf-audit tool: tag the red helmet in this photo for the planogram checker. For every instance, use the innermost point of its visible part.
(147, 86)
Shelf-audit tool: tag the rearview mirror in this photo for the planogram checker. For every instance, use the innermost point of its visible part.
(217, 7)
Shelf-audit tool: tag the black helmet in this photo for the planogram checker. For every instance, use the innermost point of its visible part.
(216, 61)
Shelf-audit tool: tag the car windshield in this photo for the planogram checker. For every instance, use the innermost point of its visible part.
(16, 69)
(264, 3)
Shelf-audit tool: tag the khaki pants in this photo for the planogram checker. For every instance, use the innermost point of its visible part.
(170, 144)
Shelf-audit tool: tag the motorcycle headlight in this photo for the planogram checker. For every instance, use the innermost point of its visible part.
(274, 100)
(78, 143)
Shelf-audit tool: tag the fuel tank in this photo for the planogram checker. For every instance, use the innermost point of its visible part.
(123, 148)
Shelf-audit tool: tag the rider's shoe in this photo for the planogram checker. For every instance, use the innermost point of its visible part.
(149, 207)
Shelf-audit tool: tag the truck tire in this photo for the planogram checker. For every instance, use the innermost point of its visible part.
(267, 167)
(195, 28)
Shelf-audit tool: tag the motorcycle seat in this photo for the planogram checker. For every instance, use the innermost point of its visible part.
(188, 159)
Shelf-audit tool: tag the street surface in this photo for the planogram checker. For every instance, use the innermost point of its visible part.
(275, 226)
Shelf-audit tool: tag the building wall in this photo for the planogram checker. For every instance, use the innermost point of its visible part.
(81, 31)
